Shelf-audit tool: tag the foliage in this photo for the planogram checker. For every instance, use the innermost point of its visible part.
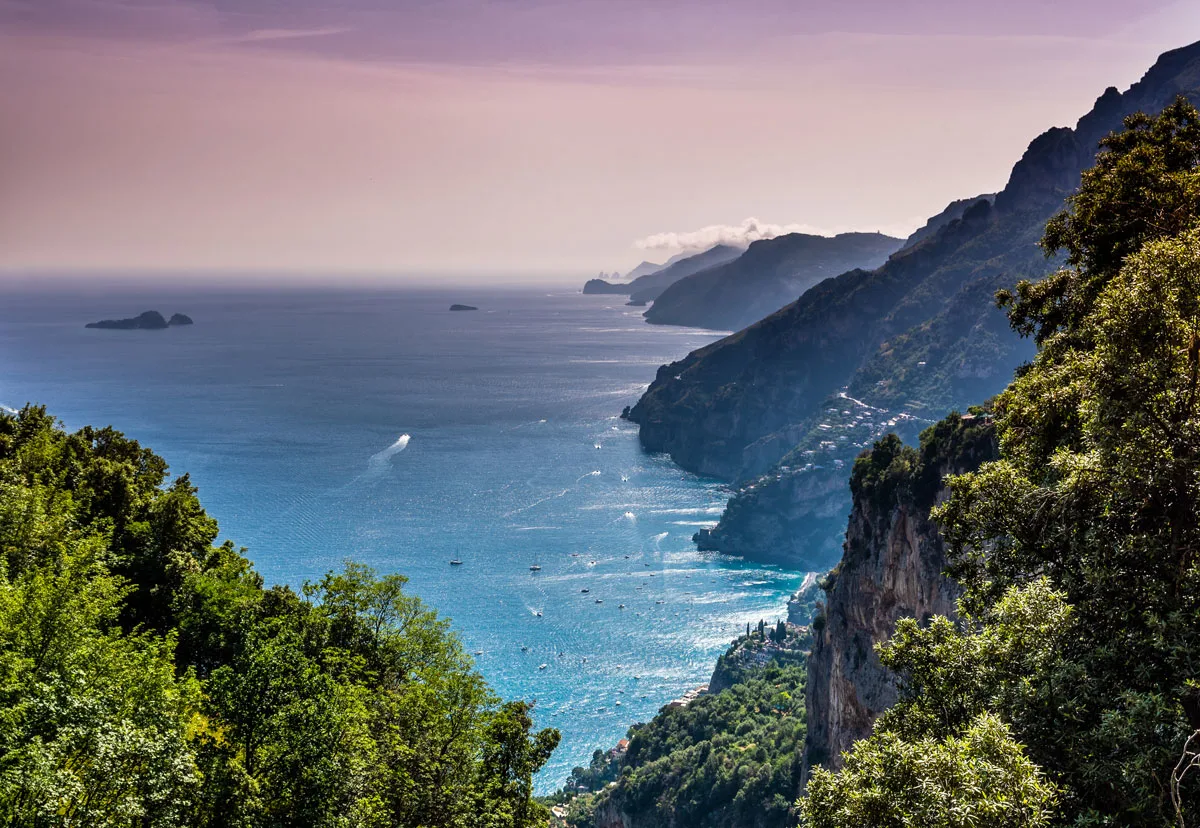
(1143, 187)
(147, 678)
(979, 780)
(877, 473)
(604, 768)
(727, 759)
(1079, 548)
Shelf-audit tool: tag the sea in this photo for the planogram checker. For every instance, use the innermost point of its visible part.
(376, 425)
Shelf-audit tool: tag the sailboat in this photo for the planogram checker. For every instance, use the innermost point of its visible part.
(455, 562)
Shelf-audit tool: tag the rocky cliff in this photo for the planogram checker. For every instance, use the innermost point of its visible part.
(914, 338)
(891, 568)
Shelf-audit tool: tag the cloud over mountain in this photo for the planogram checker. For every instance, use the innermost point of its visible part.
(737, 235)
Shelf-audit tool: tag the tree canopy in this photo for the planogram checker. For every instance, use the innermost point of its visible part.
(148, 678)
(1066, 692)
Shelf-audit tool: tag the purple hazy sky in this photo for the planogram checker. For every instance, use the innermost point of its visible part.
(522, 137)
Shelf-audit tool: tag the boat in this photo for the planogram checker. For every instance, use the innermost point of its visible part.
(599, 600)
(622, 606)
(542, 666)
(524, 648)
(535, 568)
(585, 590)
(455, 562)
(538, 614)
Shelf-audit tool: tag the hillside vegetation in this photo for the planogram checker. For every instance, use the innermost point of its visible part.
(148, 678)
(1067, 691)
(729, 759)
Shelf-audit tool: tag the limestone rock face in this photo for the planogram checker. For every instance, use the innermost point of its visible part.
(608, 815)
(895, 572)
(892, 567)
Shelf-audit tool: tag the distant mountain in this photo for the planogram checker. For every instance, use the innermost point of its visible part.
(647, 287)
(770, 274)
(603, 286)
(644, 269)
(783, 406)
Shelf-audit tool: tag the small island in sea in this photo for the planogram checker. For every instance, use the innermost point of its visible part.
(457, 307)
(146, 321)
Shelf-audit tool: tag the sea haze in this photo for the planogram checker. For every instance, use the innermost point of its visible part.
(380, 426)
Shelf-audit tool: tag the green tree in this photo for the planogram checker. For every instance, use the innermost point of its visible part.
(92, 721)
(980, 779)
(147, 677)
(1078, 548)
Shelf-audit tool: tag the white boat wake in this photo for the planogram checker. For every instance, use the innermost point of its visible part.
(379, 462)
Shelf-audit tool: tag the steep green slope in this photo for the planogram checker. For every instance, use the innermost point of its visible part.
(770, 274)
(728, 759)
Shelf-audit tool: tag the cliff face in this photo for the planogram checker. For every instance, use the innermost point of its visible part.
(916, 337)
(609, 815)
(891, 568)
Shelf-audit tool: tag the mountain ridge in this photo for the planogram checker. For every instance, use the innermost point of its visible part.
(770, 274)
(896, 339)
(647, 287)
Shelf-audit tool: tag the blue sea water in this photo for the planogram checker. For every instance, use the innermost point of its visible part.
(377, 425)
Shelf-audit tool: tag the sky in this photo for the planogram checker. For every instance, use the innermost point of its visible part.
(413, 140)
